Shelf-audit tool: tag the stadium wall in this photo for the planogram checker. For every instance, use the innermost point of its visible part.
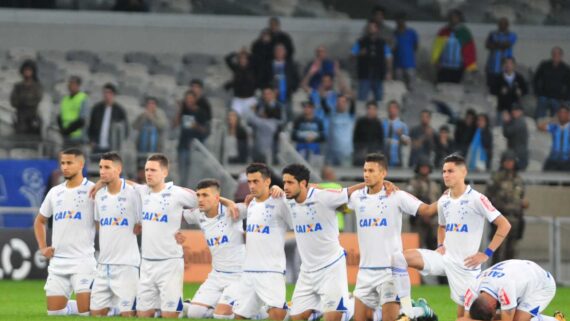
(217, 35)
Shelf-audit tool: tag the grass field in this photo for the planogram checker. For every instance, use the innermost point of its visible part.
(25, 301)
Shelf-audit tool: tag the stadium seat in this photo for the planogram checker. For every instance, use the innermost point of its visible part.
(162, 69)
(24, 153)
(106, 67)
(90, 58)
(143, 58)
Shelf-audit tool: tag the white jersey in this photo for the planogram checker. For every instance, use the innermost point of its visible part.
(73, 233)
(117, 215)
(316, 227)
(267, 223)
(464, 220)
(509, 282)
(379, 224)
(161, 217)
(224, 236)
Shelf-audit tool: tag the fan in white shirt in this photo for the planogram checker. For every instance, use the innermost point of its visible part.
(71, 255)
(462, 212)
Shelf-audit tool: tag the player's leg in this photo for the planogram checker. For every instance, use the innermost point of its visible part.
(124, 282)
(82, 287)
(304, 300)
(532, 305)
(366, 296)
(147, 293)
(202, 304)
(101, 294)
(459, 279)
(170, 287)
(390, 311)
(332, 286)
(228, 297)
(361, 311)
(270, 288)
(388, 298)
(247, 303)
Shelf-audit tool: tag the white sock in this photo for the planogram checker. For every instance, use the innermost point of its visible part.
(83, 314)
(57, 312)
(262, 315)
(377, 316)
(417, 312)
(542, 317)
(157, 314)
(223, 316)
(114, 311)
(402, 282)
(72, 307)
(315, 315)
(199, 312)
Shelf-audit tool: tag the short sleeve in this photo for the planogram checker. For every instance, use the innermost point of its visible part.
(440, 216)
(96, 215)
(408, 203)
(352, 201)
(507, 296)
(332, 198)
(242, 209)
(46, 208)
(188, 198)
(137, 205)
(355, 49)
(285, 213)
(486, 209)
(191, 216)
(387, 51)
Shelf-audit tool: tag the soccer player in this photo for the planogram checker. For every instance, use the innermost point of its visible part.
(72, 264)
(117, 212)
(520, 289)
(263, 279)
(225, 239)
(322, 283)
(461, 214)
(379, 227)
(162, 266)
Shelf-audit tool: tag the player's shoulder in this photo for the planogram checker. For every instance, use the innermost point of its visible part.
(178, 189)
(444, 196)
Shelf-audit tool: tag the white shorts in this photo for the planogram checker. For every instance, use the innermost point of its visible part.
(66, 276)
(325, 290)
(538, 299)
(115, 286)
(374, 288)
(258, 289)
(458, 277)
(219, 288)
(240, 105)
(160, 285)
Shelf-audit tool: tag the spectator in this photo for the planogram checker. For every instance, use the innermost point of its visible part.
(73, 113)
(423, 139)
(559, 157)
(105, 116)
(151, 124)
(320, 66)
(516, 133)
(243, 83)
(481, 148)
(341, 125)
(269, 105)
(509, 87)
(25, 98)
(373, 63)
(427, 191)
(506, 190)
(236, 146)
(330, 181)
(197, 87)
(261, 54)
(395, 135)
(308, 132)
(454, 50)
(280, 37)
(464, 131)
(500, 44)
(282, 75)
(265, 135)
(194, 123)
(551, 84)
(368, 135)
(384, 31)
(444, 145)
(407, 44)
(326, 96)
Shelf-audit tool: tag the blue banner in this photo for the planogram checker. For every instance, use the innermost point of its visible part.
(23, 182)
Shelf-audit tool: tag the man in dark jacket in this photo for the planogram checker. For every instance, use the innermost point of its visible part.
(516, 133)
(551, 84)
(509, 87)
(368, 134)
(105, 115)
(279, 36)
(308, 132)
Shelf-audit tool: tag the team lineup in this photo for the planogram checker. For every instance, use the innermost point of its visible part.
(247, 280)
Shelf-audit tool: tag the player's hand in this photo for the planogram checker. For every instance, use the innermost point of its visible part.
(390, 187)
(48, 252)
(276, 191)
(137, 229)
(248, 199)
(475, 260)
(234, 211)
(441, 250)
(180, 238)
(99, 185)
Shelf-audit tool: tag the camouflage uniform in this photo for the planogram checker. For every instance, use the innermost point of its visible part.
(506, 191)
(428, 192)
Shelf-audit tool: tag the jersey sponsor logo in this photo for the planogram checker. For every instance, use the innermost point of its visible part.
(373, 222)
(155, 217)
(113, 221)
(104, 197)
(257, 228)
(460, 228)
(487, 204)
(218, 240)
(67, 215)
(308, 228)
(446, 204)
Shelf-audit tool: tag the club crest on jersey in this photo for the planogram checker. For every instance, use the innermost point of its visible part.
(461, 228)
(373, 222)
(219, 240)
(308, 228)
(113, 221)
(67, 215)
(104, 197)
(155, 217)
(446, 204)
(256, 228)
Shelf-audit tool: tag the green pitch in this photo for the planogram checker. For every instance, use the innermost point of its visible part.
(25, 301)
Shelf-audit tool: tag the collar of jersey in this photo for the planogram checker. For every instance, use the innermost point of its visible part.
(468, 190)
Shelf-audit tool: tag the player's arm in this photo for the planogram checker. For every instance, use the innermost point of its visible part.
(231, 205)
(440, 239)
(428, 210)
(508, 315)
(40, 233)
(503, 228)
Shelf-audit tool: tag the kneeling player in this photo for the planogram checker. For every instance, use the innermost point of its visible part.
(520, 289)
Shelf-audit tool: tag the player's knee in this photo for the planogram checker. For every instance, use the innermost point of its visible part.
(199, 312)
(57, 312)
